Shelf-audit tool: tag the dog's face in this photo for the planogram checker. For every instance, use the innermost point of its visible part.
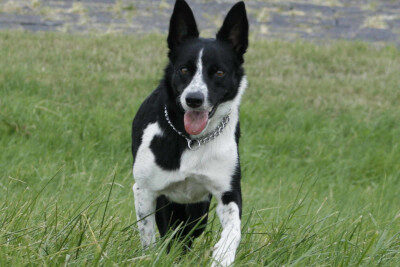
(205, 73)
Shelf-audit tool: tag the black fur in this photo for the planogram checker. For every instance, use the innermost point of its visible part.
(192, 218)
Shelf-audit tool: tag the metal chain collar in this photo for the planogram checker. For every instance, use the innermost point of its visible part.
(194, 144)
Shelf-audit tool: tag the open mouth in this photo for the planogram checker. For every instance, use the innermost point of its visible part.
(195, 121)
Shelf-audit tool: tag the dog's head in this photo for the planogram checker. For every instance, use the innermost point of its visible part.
(205, 75)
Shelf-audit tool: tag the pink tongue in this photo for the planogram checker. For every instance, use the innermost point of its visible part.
(195, 121)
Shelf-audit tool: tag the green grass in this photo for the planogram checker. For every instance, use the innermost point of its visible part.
(319, 149)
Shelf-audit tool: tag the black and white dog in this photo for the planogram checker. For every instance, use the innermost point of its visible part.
(185, 135)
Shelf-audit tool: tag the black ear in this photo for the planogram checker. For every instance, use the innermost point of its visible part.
(182, 25)
(235, 29)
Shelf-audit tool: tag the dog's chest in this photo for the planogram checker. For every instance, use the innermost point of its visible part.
(190, 190)
(206, 170)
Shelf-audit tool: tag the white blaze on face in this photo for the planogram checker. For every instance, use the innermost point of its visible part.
(197, 84)
(195, 121)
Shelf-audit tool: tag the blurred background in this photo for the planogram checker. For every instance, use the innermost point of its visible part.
(368, 20)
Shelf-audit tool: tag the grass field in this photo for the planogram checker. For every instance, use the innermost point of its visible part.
(319, 149)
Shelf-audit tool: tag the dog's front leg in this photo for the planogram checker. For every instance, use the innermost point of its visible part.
(228, 210)
(145, 206)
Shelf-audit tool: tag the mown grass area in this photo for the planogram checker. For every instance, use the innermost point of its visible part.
(319, 149)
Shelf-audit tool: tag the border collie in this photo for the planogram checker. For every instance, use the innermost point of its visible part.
(185, 135)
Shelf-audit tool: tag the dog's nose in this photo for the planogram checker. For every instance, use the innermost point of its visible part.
(195, 99)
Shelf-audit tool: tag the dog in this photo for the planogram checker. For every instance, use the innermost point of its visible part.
(185, 135)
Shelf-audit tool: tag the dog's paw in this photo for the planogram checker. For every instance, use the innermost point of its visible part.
(222, 256)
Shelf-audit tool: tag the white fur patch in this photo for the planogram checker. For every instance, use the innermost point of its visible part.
(225, 250)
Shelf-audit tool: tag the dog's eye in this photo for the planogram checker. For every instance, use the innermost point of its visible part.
(219, 73)
(184, 71)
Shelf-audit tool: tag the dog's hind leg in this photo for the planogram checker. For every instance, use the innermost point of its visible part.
(196, 221)
(191, 218)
